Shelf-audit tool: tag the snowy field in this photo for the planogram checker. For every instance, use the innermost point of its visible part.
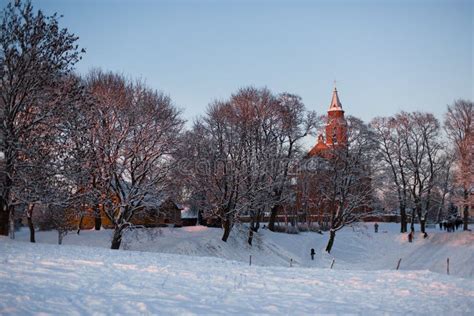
(207, 276)
(355, 248)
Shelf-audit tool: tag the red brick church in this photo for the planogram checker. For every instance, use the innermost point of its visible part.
(312, 200)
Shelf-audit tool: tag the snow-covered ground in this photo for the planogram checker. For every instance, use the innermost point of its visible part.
(356, 247)
(78, 279)
(70, 280)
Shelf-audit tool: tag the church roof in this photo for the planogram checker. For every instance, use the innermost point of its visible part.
(319, 147)
(335, 103)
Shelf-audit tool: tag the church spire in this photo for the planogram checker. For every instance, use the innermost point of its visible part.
(336, 128)
(335, 103)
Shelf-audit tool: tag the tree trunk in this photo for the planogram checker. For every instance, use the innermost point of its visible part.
(12, 222)
(4, 217)
(226, 225)
(29, 216)
(439, 214)
(332, 235)
(253, 228)
(79, 226)
(422, 225)
(250, 239)
(412, 224)
(273, 215)
(403, 220)
(466, 217)
(97, 222)
(117, 238)
(32, 229)
(466, 211)
(421, 218)
(61, 234)
(199, 220)
(258, 218)
(7, 210)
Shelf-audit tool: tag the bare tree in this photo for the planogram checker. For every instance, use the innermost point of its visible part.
(60, 219)
(57, 153)
(35, 54)
(135, 136)
(444, 187)
(217, 170)
(258, 120)
(420, 138)
(387, 134)
(59, 212)
(242, 151)
(296, 123)
(459, 128)
(410, 146)
(344, 176)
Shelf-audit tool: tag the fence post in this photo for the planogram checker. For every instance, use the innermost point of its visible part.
(398, 264)
(250, 260)
(447, 267)
(332, 263)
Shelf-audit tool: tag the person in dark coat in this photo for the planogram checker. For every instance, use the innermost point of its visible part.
(410, 236)
(449, 226)
(458, 223)
(440, 226)
(312, 253)
(376, 227)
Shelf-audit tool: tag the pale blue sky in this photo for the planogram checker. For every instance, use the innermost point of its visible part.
(385, 55)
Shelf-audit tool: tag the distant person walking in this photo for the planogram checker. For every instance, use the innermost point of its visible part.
(450, 226)
(376, 227)
(458, 222)
(410, 236)
(312, 253)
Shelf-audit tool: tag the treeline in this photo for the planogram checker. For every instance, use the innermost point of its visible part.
(425, 168)
(107, 143)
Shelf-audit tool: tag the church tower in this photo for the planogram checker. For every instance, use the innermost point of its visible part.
(336, 128)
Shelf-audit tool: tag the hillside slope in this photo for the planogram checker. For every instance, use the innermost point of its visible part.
(355, 248)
